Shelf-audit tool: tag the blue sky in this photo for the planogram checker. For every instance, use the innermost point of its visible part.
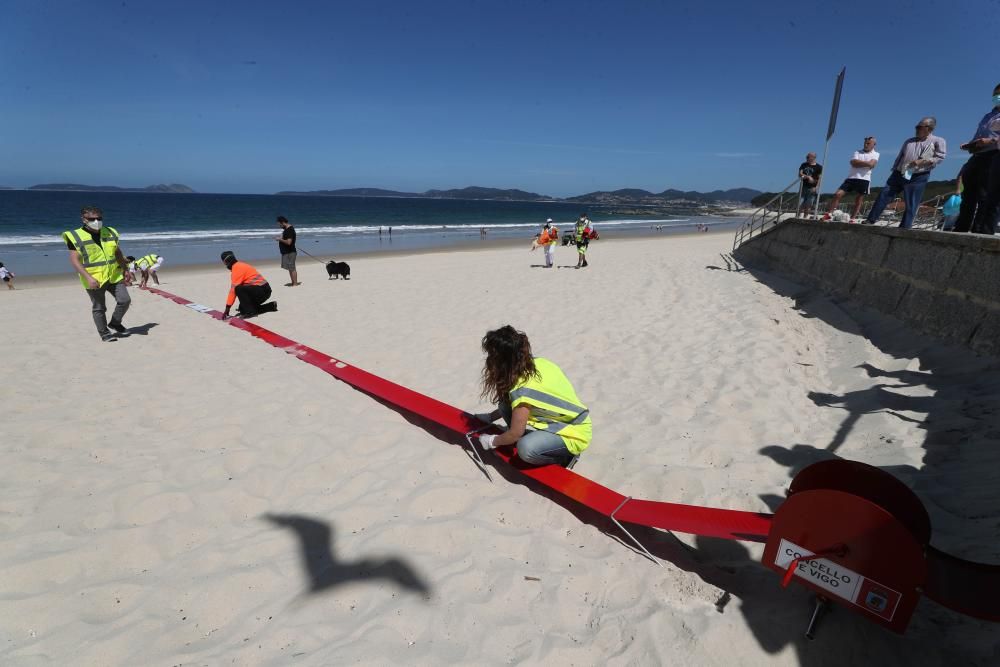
(555, 97)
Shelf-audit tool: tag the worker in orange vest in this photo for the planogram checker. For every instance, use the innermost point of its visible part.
(249, 287)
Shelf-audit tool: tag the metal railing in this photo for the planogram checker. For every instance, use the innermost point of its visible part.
(928, 217)
(770, 213)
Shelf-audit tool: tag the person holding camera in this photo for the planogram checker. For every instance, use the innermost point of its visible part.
(809, 173)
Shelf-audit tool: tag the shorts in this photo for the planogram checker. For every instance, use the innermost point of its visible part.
(156, 265)
(6, 279)
(858, 186)
(808, 196)
(288, 261)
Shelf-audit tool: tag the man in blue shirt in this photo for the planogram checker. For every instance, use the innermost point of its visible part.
(981, 197)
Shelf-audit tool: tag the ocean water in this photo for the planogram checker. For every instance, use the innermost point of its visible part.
(196, 228)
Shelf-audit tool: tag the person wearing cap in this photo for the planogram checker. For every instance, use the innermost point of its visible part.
(247, 285)
(95, 256)
(549, 238)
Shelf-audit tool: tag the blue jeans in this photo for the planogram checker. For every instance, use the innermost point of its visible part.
(538, 448)
(912, 190)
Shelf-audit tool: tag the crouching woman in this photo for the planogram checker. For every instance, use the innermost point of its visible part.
(544, 416)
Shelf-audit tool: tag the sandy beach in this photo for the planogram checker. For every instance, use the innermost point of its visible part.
(190, 495)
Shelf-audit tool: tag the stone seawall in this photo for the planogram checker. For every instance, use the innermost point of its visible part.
(943, 284)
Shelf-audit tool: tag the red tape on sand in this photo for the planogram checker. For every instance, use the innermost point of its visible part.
(728, 524)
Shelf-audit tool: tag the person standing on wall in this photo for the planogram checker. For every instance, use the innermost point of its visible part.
(286, 246)
(95, 256)
(979, 210)
(859, 178)
(911, 170)
(809, 173)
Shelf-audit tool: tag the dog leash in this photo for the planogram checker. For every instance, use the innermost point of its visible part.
(311, 255)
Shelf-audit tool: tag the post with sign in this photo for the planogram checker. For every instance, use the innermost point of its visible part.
(831, 128)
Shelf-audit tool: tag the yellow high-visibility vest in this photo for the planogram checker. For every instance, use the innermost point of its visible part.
(148, 261)
(98, 259)
(554, 406)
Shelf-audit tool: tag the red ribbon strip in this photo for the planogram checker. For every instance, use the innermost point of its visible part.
(710, 522)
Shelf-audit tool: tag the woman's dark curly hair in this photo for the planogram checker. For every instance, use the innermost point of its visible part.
(508, 360)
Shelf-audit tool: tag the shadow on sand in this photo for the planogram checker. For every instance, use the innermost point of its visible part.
(325, 572)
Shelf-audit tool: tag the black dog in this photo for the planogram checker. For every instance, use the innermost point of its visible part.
(336, 269)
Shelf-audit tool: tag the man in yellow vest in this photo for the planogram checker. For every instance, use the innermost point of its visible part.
(96, 257)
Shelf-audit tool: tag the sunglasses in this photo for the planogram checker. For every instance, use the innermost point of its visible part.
(93, 219)
(923, 126)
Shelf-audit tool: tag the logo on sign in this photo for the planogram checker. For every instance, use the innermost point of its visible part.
(877, 600)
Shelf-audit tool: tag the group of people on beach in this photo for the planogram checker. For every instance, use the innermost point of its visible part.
(548, 239)
(978, 183)
(96, 256)
(544, 416)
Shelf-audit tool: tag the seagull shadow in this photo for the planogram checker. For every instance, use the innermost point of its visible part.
(326, 572)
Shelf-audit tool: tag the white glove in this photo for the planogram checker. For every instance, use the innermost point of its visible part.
(486, 440)
(485, 417)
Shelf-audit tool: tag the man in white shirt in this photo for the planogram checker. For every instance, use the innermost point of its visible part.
(859, 178)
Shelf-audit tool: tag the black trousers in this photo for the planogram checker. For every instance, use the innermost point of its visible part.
(976, 214)
(251, 297)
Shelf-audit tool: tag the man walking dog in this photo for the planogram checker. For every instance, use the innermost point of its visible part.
(286, 246)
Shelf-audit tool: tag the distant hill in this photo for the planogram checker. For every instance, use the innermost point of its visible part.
(635, 196)
(75, 187)
(462, 193)
(486, 193)
(628, 196)
(351, 192)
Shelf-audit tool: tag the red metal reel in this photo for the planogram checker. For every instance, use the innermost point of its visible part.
(870, 554)
(865, 481)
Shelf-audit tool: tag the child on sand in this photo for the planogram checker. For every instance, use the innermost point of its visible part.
(7, 276)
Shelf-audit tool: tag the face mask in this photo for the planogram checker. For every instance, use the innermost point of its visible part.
(996, 100)
(94, 225)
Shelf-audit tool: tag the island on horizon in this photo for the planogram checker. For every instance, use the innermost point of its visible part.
(175, 188)
(632, 196)
(625, 196)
